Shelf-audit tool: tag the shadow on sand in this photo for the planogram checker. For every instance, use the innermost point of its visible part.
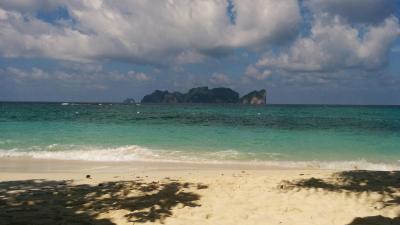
(375, 220)
(47, 202)
(387, 184)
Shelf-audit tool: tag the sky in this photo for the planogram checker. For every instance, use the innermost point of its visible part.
(300, 51)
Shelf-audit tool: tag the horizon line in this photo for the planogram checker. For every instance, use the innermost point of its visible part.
(121, 102)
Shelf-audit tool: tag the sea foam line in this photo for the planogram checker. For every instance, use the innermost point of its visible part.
(143, 154)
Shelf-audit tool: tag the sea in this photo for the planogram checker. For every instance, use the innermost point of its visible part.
(289, 136)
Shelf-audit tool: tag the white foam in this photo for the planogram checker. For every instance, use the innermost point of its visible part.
(124, 153)
(138, 153)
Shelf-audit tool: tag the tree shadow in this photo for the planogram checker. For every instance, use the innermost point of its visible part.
(48, 202)
(384, 183)
(375, 220)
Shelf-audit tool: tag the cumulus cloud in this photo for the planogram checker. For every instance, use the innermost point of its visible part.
(138, 75)
(263, 22)
(27, 36)
(20, 75)
(30, 6)
(336, 45)
(94, 37)
(220, 79)
(143, 31)
(255, 73)
(129, 76)
(75, 76)
(189, 56)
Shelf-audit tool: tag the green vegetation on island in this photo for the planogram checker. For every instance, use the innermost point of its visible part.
(206, 95)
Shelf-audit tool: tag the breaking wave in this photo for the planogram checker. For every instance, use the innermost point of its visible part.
(138, 153)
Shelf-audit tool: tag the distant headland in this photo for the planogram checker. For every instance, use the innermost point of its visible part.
(206, 95)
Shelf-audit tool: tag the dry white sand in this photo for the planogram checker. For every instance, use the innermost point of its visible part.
(58, 192)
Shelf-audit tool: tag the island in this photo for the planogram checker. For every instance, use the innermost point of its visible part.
(205, 95)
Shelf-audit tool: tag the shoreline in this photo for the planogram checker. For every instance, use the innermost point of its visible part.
(20, 164)
(8, 163)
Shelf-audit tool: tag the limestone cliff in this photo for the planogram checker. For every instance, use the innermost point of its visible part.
(255, 98)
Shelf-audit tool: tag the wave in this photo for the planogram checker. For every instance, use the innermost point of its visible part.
(84, 153)
(227, 157)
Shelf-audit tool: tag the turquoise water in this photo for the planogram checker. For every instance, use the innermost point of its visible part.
(287, 135)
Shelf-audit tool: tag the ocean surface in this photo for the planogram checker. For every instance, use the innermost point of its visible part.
(311, 136)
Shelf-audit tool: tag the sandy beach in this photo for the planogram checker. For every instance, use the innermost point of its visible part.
(74, 192)
(200, 112)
